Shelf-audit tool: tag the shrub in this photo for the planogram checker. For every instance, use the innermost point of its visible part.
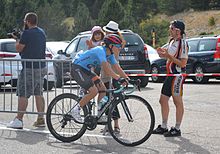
(211, 21)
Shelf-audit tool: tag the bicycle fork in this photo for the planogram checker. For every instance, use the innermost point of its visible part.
(127, 111)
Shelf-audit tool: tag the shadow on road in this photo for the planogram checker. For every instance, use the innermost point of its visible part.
(185, 146)
(97, 145)
(27, 137)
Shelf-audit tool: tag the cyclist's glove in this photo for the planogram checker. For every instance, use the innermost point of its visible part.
(123, 81)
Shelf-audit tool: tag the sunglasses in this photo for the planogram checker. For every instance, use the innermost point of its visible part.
(172, 27)
(117, 45)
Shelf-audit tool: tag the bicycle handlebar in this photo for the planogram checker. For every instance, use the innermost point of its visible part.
(135, 83)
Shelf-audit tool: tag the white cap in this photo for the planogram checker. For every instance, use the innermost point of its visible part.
(111, 27)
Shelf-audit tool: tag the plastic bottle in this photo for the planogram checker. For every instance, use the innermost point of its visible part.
(81, 92)
(102, 103)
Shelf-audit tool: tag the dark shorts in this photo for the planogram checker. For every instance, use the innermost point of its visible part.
(83, 77)
(30, 82)
(173, 86)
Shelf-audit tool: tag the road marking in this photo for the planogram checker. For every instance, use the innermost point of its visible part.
(47, 132)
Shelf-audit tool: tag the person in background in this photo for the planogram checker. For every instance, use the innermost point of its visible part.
(31, 45)
(95, 40)
(112, 28)
(97, 37)
(176, 55)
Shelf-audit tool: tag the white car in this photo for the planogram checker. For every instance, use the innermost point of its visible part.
(54, 46)
(10, 67)
(152, 53)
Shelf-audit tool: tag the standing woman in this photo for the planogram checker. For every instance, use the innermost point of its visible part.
(176, 55)
(112, 28)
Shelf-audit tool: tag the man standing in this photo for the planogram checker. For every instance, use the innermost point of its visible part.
(176, 55)
(32, 45)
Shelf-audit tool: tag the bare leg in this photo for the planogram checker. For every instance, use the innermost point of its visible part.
(164, 107)
(116, 123)
(101, 87)
(40, 104)
(22, 106)
(178, 101)
(92, 92)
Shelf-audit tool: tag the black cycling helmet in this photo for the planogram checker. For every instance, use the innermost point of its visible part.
(179, 24)
(112, 39)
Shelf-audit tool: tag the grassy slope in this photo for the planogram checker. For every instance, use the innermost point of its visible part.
(197, 22)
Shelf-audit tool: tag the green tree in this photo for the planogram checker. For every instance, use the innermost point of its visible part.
(13, 14)
(51, 18)
(128, 20)
(111, 10)
(69, 7)
(161, 29)
(172, 6)
(214, 4)
(82, 19)
(200, 4)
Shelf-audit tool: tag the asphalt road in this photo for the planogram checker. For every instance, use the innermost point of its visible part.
(200, 128)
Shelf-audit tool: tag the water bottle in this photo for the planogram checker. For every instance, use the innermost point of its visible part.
(81, 92)
(102, 103)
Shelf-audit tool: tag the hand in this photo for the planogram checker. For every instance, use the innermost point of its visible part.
(162, 52)
(14, 36)
(123, 81)
(89, 44)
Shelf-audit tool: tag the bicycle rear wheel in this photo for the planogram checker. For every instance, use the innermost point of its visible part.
(136, 121)
(59, 120)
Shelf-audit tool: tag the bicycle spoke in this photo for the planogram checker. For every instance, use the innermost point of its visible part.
(60, 122)
(136, 121)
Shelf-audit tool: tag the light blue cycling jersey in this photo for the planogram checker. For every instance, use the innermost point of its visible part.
(93, 58)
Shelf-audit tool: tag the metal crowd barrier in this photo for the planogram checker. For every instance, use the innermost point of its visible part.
(9, 70)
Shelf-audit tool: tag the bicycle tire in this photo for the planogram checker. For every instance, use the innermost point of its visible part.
(57, 110)
(135, 132)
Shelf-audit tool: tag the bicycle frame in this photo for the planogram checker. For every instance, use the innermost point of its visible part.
(116, 96)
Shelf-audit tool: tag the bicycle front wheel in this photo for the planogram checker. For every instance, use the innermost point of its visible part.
(59, 120)
(136, 121)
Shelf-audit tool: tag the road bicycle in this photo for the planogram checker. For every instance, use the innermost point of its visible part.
(136, 121)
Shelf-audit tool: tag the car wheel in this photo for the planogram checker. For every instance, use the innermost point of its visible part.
(199, 69)
(49, 85)
(144, 81)
(58, 75)
(155, 70)
(59, 82)
(13, 82)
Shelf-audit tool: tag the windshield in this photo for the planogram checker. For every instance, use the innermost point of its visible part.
(132, 40)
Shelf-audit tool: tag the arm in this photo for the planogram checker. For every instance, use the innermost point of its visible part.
(118, 69)
(122, 39)
(163, 53)
(19, 46)
(108, 71)
(89, 44)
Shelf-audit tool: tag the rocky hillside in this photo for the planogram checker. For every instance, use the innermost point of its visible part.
(198, 22)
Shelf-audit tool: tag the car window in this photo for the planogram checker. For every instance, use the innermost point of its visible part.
(132, 40)
(207, 45)
(82, 44)
(193, 45)
(9, 47)
(72, 46)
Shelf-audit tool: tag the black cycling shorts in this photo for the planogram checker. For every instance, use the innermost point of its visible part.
(173, 86)
(83, 77)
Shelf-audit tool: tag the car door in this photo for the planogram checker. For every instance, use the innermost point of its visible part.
(10, 69)
(77, 45)
(202, 53)
(192, 52)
